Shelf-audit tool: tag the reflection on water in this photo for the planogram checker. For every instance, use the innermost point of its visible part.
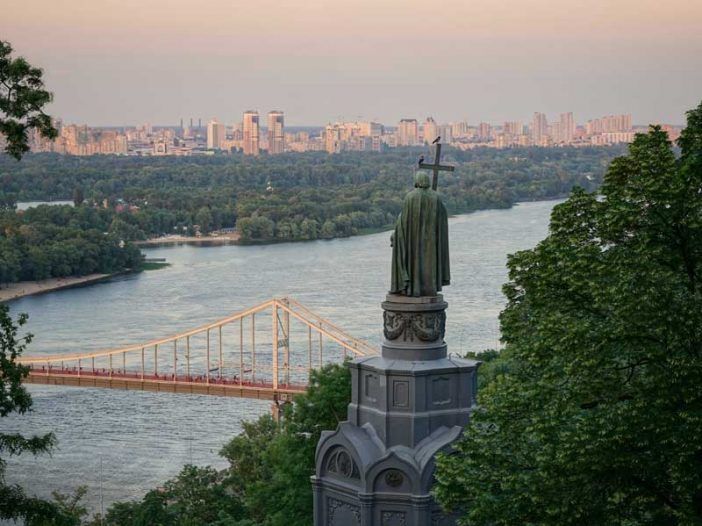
(142, 438)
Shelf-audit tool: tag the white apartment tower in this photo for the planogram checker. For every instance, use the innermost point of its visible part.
(567, 128)
(215, 135)
(539, 128)
(251, 133)
(276, 132)
(333, 137)
(512, 128)
(408, 132)
(430, 130)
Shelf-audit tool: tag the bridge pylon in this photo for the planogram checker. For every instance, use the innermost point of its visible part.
(233, 356)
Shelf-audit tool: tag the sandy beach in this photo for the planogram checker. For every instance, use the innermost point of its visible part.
(223, 239)
(27, 288)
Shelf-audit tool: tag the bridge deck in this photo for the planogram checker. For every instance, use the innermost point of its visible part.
(280, 373)
(166, 383)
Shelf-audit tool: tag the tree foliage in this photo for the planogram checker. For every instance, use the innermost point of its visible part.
(22, 99)
(594, 412)
(314, 195)
(270, 465)
(15, 504)
(57, 241)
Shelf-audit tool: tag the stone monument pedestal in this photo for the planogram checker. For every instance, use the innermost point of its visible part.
(407, 404)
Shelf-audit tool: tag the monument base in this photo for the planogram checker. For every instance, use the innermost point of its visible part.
(406, 406)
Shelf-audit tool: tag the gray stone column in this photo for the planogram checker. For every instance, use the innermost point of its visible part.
(409, 403)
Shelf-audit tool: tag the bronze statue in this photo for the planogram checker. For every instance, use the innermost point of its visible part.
(420, 245)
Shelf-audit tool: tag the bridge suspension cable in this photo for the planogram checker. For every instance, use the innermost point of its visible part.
(233, 356)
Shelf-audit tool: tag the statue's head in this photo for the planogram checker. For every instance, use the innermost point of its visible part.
(421, 180)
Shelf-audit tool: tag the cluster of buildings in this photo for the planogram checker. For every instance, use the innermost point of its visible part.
(250, 138)
(81, 140)
(246, 136)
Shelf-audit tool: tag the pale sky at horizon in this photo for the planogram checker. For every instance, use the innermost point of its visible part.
(125, 62)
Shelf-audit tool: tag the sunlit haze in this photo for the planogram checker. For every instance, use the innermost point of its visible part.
(123, 62)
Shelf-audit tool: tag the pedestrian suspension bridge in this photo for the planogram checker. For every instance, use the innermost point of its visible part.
(265, 352)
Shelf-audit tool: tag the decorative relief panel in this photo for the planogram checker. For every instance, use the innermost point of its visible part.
(394, 478)
(340, 463)
(392, 481)
(393, 518)
(400, 393)
(426, 327)
(441, 391)
(340, 513)
(370, 387)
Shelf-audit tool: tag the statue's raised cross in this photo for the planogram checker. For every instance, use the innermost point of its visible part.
(437, 167)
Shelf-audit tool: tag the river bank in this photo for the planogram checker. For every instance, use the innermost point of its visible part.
(231, 238)
(21, 289)
(30, 288)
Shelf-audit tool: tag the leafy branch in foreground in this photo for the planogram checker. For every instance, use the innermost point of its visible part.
(593, 413)
(15, 504)
(22, 99)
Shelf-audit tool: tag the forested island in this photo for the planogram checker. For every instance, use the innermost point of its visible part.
(58, 241)
(274, 198)
(290, 197)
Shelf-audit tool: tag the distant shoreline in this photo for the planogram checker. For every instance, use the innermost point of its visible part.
(227, 239)
(235, 238)
(22, 289)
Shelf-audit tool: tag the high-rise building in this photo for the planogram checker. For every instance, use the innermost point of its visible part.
(539, 128)
(251, 133)
(408, 133)
(555, 132)
(446, 132)
(276, 132)
(484, 131)
(430, 130)
(609, 124)
(566, 128)
(333, 137)
(369, 129)
(373, 131)
(215, 135)
(513, 128)
(459, 129)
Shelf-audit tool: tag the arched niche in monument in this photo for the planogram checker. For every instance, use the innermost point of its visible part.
(340, 464)
(392, 480)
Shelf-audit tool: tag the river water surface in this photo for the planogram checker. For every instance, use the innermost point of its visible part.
(120, 444)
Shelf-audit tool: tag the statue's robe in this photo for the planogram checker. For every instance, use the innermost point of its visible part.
(420, 247)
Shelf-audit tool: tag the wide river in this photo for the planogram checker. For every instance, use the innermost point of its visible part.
(120, 444)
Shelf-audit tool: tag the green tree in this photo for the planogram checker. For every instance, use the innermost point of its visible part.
(15, 504)
(285, 497)
(22, 99)
(268, 481)
(195, 497)
(204, 219)
(328, 229)
(78, 196)
(594, 411)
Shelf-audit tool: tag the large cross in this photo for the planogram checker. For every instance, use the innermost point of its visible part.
(437, 167)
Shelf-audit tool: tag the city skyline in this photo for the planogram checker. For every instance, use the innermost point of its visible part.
(121, 63)
(247, 136)
(200, 121)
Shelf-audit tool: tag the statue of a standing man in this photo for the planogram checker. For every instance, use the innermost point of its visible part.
(420, 246)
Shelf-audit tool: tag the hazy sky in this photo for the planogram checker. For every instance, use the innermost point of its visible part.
(133, 61)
